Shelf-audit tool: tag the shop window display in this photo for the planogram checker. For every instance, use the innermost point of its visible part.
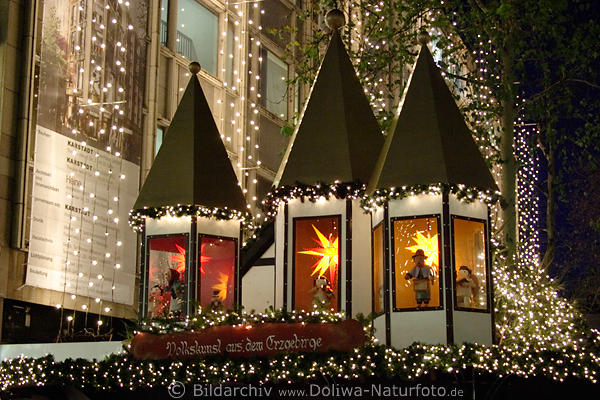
(470, 264)
(316, 262)
(216, 275)
(167, 263)
(416, 262)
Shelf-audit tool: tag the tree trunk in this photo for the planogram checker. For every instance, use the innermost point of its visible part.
(550, 206)
(509, 165)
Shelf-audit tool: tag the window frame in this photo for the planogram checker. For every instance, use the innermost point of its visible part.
(198, 255)
(373, 291)
(440, 267)
(488, 285)
(186, 275)
(262, 100)
(294, 250)
(163, 131)
(218, 13)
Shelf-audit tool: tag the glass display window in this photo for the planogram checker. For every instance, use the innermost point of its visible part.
(378, 257)
(416, 260)
(470, 264)
(316, 262)
(216, 276)
(167, 263)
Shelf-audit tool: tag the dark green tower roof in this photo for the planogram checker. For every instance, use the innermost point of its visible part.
(338, 137)
(192, 166)
(429, 141)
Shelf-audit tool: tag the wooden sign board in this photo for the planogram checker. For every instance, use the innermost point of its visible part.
(250, 340)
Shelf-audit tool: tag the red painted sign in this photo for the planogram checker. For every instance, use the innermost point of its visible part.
(250, 340)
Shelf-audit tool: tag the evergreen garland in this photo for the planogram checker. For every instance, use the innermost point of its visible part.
(137, 217)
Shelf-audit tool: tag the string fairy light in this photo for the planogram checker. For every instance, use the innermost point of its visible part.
(106, 108)
(371, 361)
(537, 328)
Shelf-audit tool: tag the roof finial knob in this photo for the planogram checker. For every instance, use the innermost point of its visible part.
(335, 19)
(194, 67)
(423, 37)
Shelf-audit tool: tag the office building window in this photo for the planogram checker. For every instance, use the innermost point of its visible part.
(164, 18)
(416, 242)
(197, 34)
(273, 87)
(158, 139)
(316, 262)
(229, 56)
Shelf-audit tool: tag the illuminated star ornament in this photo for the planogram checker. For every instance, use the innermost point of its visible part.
(203, 259)
(429, 245)
(179, 259)
(222, 286)
(328, 253)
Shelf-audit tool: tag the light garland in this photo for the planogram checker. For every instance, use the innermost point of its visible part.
(372, 361)
(206, 318)
(101, 102)
(138, 217)
(312, 193)
(463, 193)
(369, 203)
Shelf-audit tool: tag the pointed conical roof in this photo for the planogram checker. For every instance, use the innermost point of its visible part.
(192, 166)
(338, 137)
(429, 141)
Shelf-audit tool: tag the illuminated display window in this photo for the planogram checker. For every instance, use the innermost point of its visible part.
(167, 262)
(216, 275)
(378, 269)
(416, 260)
(316, 262)
(470, 264)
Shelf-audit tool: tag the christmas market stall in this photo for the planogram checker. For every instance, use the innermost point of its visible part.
(190, 211)
(430, 197)
(322, 235)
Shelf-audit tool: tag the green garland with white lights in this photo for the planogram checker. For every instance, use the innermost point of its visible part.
(206, 318)
(467, 194)
(354, 190)
(370, 362)
(137, 217)
(312, 193)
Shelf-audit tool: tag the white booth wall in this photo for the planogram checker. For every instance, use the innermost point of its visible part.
(473, 326)
(427, 326)
(259, 286)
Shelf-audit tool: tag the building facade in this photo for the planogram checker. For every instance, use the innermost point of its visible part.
(94, 84)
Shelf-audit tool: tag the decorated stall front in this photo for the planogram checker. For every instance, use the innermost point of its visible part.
(322, 235)
(191, 211)
(430, 197)
(397, 226)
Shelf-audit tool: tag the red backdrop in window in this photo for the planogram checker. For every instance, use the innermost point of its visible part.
(308, 245)
(216, 277)
(164, 253)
